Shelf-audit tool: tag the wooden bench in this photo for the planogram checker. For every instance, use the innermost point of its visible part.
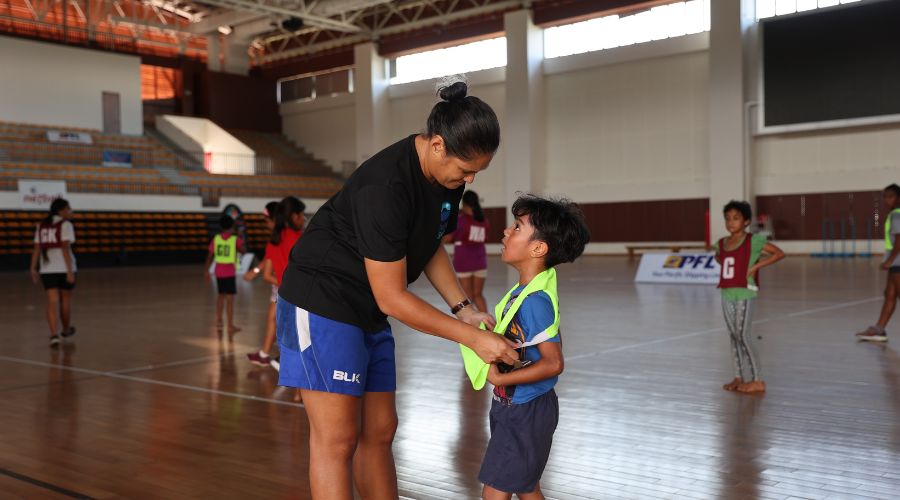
(632, 249)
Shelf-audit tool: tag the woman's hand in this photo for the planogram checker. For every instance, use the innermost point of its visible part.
(476, 318)
(35, 276)
(491, 348)
(886, 265)
(70, 277)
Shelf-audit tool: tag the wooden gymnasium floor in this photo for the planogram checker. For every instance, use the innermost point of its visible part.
(149, 402)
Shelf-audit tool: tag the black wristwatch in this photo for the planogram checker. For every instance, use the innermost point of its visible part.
(459, 307)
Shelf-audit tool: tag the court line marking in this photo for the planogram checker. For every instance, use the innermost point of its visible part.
(175, 385)
(722, 328)
(45, 485)
(172, 364)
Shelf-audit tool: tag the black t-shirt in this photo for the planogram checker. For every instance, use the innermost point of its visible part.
(386, 211)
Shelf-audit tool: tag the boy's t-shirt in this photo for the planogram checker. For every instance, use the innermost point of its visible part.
(226, 270)
(757, 242)
(534, 316)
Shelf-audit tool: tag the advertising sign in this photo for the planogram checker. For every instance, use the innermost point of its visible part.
(684, 268)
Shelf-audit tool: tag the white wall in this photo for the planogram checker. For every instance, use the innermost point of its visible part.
(223, 152)
(857, 159)
(408, 114)
(48, 84)
(325, 127)
(630, 131)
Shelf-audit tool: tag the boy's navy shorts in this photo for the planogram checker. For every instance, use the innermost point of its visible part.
(521, 435)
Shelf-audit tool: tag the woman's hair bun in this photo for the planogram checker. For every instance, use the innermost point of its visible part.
(453, 91)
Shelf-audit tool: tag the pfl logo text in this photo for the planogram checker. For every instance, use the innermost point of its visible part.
(690, 262)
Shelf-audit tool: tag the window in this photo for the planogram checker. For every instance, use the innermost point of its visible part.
(772, 8)
(664, 21)
(310, 86)
(464, 58)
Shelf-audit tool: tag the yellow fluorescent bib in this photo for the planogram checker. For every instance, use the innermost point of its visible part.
(226, 250)
(477, 369)
(888, 242)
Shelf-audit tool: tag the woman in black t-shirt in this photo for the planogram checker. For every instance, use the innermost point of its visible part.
(350, 271)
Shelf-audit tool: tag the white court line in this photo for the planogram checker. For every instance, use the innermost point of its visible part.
(722, 329)
(173, 363)
(151, 381)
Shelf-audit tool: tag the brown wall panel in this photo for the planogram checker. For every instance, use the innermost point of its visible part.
(237, 101)
(631, 221)
(804, 216)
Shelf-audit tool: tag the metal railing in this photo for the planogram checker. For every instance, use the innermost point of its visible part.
(31, 151)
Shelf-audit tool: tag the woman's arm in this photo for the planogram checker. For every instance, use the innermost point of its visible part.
(388, 282)
(550, 365)
(67, 258)
(774, 255)
(35, 254)
(440, 273)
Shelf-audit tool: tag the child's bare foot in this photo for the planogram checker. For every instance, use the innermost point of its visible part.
(733, 385)
(756, 386)
(298, 397)
(233, 328)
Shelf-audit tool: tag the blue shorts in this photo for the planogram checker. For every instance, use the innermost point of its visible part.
(521, 437)
(321, 354)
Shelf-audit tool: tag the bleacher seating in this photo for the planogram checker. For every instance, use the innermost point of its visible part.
(287, 157)
(107, 238)
(26, 153)
(26, 142)
(267, 186)
(81, 178)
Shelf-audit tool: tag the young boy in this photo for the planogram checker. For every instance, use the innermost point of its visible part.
(739, 255)
(224, 249)
(891, 264)
(525, 410)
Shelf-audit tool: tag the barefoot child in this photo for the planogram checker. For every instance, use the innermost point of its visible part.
(224, 249)
(739, 255)
(891, 264)
(525, 410)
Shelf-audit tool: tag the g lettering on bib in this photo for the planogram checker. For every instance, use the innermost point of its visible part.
(728, 268)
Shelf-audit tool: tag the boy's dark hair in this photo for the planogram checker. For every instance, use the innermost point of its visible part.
(741, 206)
(894, 188)
(467, 124)
(557, 222)
(226, 222)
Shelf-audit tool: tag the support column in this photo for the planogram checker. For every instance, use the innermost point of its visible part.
(524, 137)
(370, 85)
(234, 48)
(730, 139)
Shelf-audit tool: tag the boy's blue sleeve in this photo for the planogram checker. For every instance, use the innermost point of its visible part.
(536, 315)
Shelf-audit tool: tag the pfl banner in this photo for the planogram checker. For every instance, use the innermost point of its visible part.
(684, 268)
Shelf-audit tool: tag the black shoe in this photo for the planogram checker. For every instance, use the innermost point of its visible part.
(54, 340)
(68, 332)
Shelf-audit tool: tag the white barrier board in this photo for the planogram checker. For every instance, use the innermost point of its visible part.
(38, 195)
(685, 268)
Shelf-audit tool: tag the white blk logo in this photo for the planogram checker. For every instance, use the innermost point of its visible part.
(346, 377)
